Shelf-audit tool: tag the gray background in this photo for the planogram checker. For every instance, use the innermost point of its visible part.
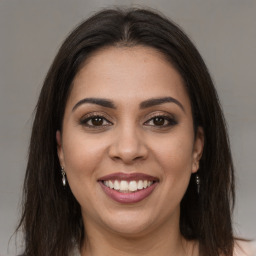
(31, 32)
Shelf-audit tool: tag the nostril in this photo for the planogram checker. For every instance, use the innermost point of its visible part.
(138, 157)
(127, 159)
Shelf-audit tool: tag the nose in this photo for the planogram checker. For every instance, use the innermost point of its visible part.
(128, 146)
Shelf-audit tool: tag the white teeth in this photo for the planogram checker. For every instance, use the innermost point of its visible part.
(133, 185)
(111, 185)
(126, 186)
(140, 184)
(116, 185)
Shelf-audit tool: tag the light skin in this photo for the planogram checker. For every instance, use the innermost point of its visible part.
(131, 133)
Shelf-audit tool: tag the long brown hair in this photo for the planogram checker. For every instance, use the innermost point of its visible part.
(51, 218)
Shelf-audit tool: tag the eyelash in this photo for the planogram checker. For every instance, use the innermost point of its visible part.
(170, 121)
(89, 118)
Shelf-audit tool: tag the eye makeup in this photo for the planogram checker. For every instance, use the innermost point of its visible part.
(99, 120)
(96, 120)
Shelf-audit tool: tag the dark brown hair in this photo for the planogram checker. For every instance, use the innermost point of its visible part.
(51, 218)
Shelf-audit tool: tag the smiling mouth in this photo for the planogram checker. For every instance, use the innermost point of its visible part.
(128, 188)
(124, 186)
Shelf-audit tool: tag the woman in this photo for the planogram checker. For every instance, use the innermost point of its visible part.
(129, 154)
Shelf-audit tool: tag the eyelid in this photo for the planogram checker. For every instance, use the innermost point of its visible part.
(160, 114)
(167, 116)
(89, 116)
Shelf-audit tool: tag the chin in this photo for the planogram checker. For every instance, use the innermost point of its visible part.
(129, 229)
(130, 223)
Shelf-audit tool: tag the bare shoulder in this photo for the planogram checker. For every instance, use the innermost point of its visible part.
(244, 248)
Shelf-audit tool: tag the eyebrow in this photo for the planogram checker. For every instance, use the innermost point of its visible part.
(158, 101)
(145, 104)
(102, 102)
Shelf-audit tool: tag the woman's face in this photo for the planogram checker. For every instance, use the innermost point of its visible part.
(128, 144)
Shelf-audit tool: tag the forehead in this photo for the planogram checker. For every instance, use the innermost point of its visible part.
(126, 74)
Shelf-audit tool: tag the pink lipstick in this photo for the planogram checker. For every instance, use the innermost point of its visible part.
(128, 188)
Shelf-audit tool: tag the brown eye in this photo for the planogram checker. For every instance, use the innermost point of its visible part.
(97, 121)
(161, 121)
(158, 121)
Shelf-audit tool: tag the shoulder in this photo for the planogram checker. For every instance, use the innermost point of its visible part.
(245, 248)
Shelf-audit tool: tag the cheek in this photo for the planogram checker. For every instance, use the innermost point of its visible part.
(82, 155)
(175, 151)
(174, 155)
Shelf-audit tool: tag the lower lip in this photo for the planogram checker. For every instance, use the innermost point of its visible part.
(128, 198)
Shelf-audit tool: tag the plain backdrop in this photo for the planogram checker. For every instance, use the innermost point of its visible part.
(31, 32)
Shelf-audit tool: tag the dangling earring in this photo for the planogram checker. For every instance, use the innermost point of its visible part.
(198, 182)
(64, 181)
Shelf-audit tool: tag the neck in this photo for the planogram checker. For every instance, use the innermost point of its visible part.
(163, 240)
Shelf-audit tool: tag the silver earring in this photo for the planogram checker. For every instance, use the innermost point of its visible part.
(198, 183)
(64, 181)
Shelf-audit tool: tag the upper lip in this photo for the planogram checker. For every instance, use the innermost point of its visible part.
(128, 177)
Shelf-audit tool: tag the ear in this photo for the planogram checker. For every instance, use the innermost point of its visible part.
(60, 149)
(198, 149)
